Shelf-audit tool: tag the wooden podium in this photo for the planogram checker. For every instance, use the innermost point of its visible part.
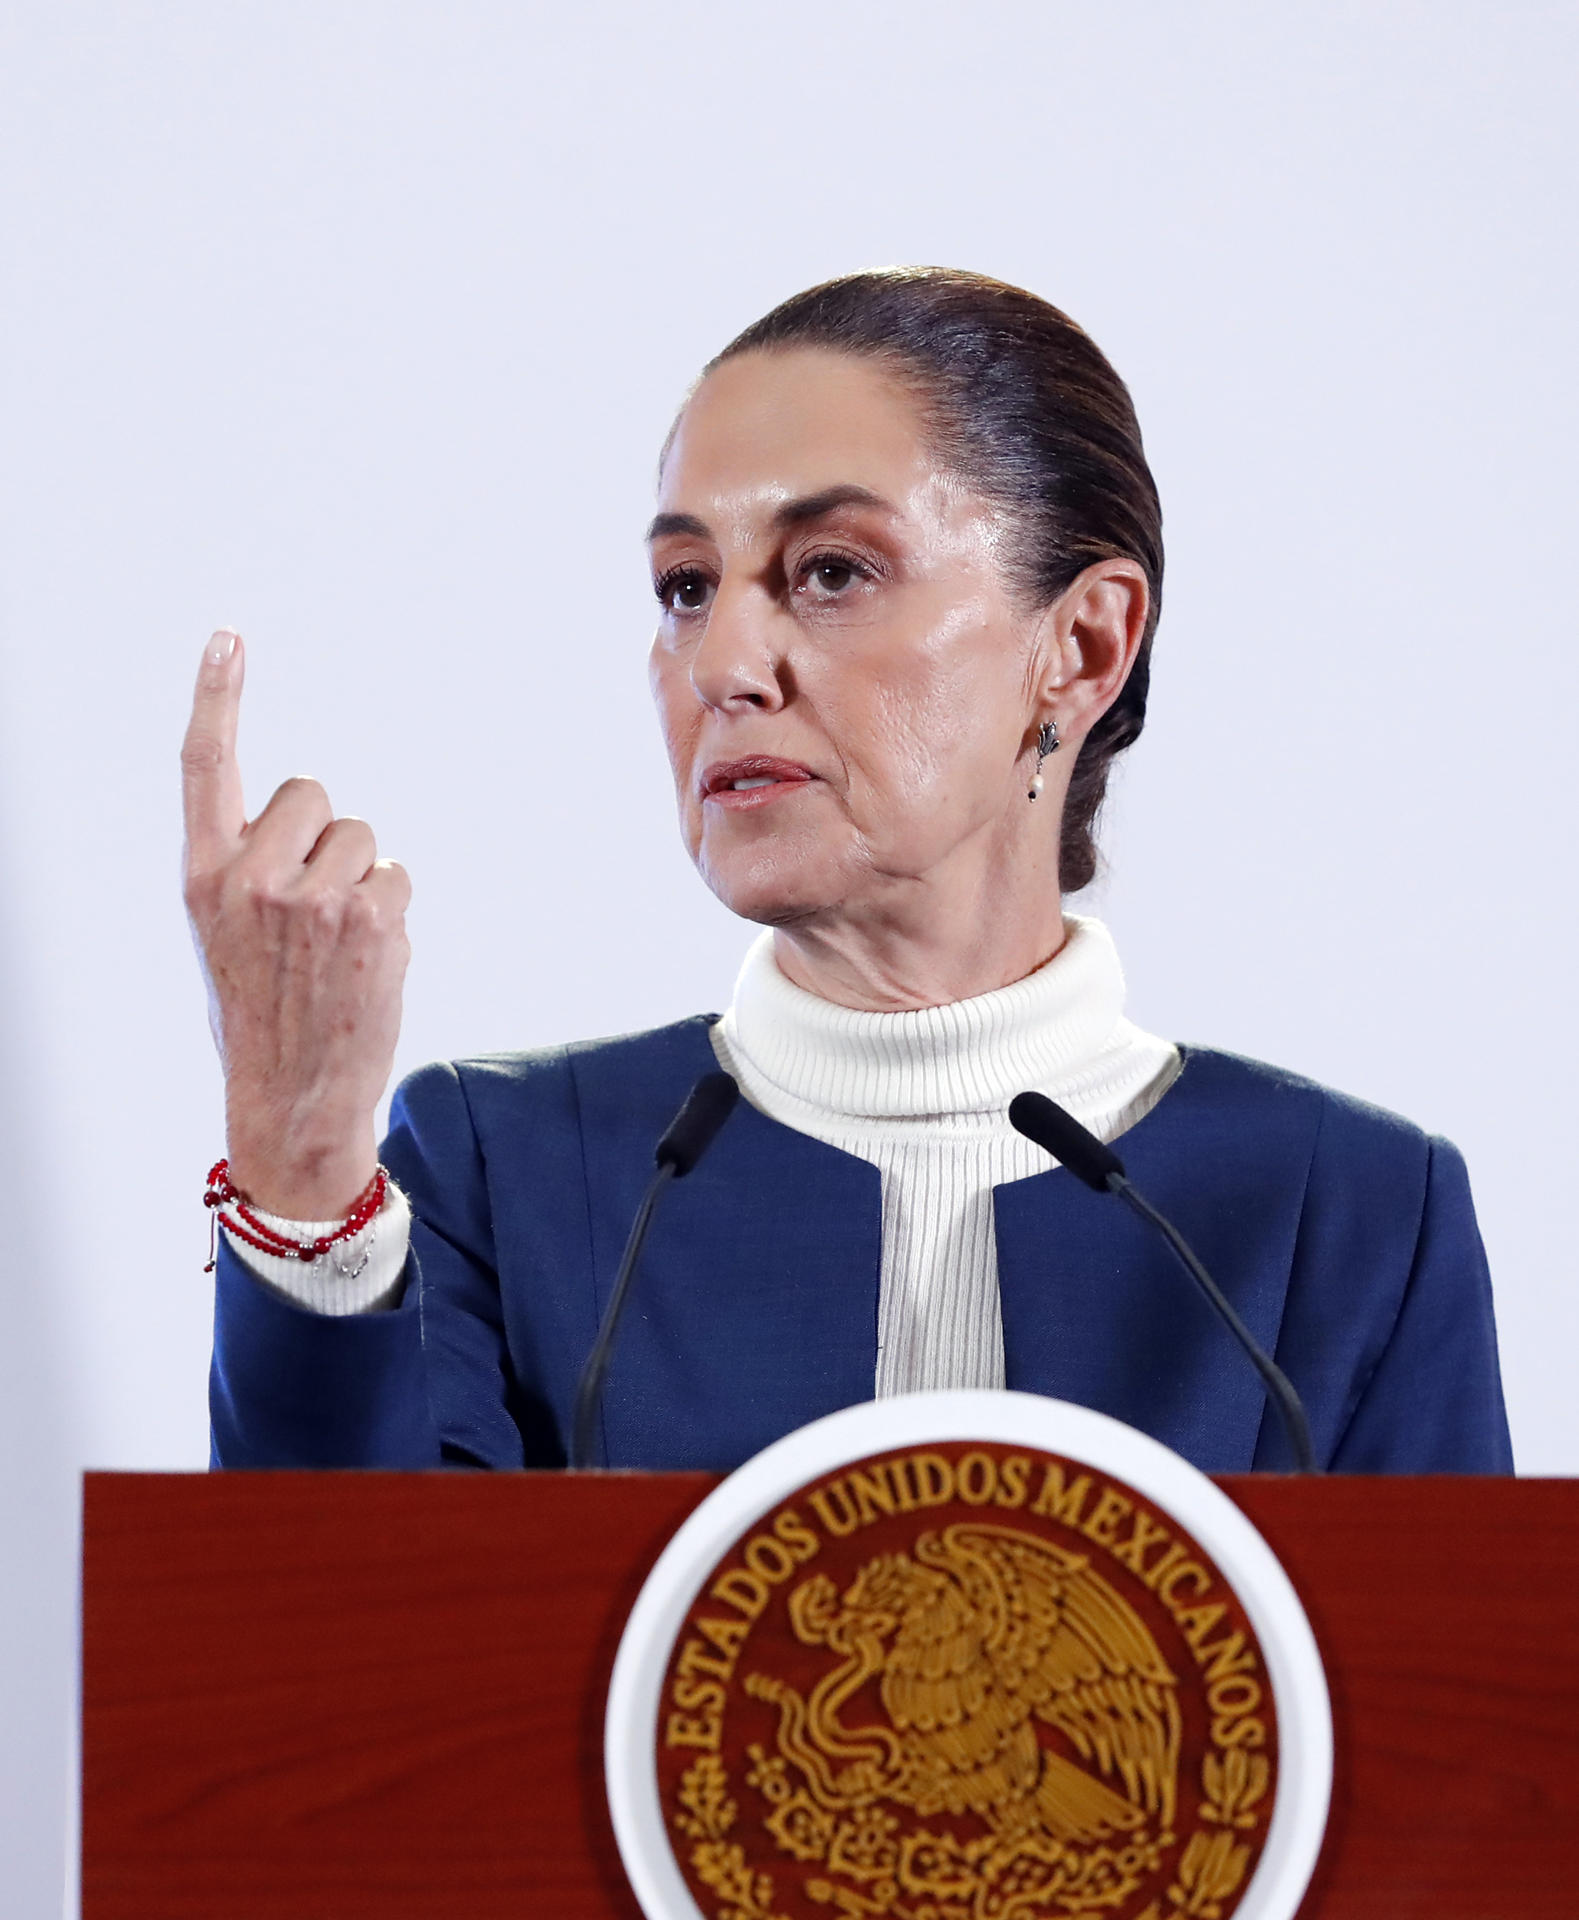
(327, 1696)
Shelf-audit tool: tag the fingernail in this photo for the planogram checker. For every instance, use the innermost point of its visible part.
(221, 646)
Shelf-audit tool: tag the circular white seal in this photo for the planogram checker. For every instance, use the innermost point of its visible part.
(1289, 1840)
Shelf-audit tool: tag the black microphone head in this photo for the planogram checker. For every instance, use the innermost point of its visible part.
(1061, 1134)
(707, 1106)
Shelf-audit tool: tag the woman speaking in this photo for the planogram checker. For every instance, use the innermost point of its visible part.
(908, 565)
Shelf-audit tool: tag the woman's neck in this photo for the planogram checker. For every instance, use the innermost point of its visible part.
(895, 961)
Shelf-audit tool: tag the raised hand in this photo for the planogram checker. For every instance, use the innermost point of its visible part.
(300, 929)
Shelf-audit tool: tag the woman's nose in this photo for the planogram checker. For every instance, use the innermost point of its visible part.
(737, 664)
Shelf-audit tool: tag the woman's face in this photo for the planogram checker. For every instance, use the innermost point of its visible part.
(846, 684)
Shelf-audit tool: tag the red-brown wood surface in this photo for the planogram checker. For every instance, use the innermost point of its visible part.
(326, 1696)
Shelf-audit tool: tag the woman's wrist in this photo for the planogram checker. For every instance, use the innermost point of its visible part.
(283, 1238)
(300, 1182)
(365, 1274)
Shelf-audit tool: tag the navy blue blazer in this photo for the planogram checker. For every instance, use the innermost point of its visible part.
(1344, 1236)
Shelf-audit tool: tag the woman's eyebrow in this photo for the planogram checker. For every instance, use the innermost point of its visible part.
(793, 513)
(812, 506)
(665, 523)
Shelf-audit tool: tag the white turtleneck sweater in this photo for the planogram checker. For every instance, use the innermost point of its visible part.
(924, 1096)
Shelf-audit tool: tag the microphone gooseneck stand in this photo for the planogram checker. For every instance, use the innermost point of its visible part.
(692, 1131)
(1059, 1133)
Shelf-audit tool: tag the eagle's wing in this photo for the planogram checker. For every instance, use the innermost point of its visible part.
(1063, 1645)
(971, 1746)
(935, 1675)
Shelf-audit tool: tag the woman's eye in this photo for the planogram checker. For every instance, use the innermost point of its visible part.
(683, 592)
(830, 575)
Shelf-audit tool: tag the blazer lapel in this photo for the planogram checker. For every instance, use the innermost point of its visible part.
(755, 1309)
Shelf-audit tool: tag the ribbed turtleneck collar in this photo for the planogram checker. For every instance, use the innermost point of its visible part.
(1048, 1031)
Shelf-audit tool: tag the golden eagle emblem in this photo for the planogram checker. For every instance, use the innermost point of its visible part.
(1017, 1687)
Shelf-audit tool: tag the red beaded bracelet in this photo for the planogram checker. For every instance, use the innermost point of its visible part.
(246, 1225)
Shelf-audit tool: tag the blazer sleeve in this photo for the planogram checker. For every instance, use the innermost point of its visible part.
(425, 1384)
(1433, 1402)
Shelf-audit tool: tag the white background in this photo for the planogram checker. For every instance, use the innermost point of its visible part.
(359, 326)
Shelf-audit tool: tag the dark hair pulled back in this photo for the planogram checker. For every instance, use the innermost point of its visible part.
(1025, 408)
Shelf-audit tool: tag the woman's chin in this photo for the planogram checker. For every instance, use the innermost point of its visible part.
(772, 891)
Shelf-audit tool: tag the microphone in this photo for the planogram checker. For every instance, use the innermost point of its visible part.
(691, 1132)
(1087, 1158)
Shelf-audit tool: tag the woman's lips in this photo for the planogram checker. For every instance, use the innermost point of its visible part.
(755, 780)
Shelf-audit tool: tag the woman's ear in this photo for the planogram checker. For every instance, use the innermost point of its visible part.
(1091, 635)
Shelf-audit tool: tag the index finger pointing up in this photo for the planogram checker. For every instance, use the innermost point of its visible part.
(210, 776)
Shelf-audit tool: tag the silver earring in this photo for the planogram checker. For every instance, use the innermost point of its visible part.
(1047, 742)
